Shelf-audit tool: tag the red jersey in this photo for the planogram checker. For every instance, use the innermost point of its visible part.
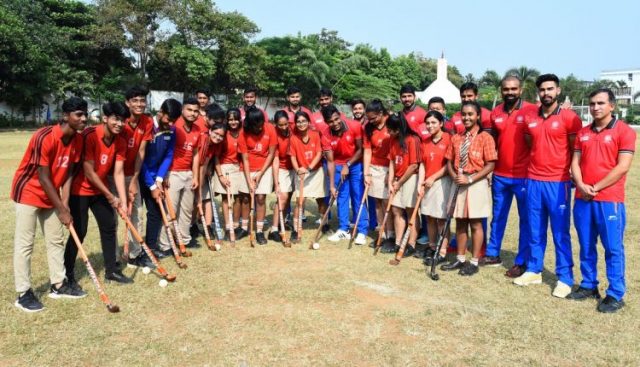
(455, 125)
(257, 146)
(292, 114)
(134, 137)
(550, 151)
(206, 148)
(378, 143)
(512, 148)
(103, 157)
(306, 152)
(317, 123)
(433, 154)
(186, 142)
(402, 159)
(344, 146)
(415, 116)
(283, 151)
(229, 149)
(599, 152)
(201, 121)
(47, 150)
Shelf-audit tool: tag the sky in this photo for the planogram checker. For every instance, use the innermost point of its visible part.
(563, 37)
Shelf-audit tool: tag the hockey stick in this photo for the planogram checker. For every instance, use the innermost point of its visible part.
(315, 245)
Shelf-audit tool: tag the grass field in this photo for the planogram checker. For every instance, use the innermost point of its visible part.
(272, 306)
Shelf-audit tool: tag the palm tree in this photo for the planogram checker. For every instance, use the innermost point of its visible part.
(528, 78)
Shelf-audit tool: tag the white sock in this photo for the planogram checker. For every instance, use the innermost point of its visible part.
(461, 258)
(474, 261)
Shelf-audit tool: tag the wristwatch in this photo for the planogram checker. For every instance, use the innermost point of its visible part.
(348, 164)
(470, 179)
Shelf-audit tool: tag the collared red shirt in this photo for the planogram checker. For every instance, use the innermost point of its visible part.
(455, 125)
(403, 158)
(509, 130)
(135, 137)
(379, 144)
(433, 153)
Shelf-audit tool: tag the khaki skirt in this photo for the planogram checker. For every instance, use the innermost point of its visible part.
(315, 184)
(265, 186)
(407, 195)
(285, 179)
(379, 178)
(235, 176)
(474, 201)
(436, 199)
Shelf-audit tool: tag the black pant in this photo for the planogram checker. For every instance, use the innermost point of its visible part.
(105, 216)
(154, 218)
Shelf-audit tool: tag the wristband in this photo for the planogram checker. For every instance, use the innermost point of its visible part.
(348, 164)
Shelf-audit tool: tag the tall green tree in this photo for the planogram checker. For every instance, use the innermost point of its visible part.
(528, 77)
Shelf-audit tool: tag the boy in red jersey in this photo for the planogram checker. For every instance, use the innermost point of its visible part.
(413, 113)
(104, 151)
(468, 92)
(294, 98)
(45, 169)
(249, 97)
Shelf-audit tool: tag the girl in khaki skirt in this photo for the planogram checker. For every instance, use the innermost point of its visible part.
(434, 178)
(306, 149)
(283, 173)
(404, 159)
(470, 158)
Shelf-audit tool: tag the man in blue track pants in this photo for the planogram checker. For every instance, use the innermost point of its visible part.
(509, 176)
(345, 138)
(550, 135)
(601, 159)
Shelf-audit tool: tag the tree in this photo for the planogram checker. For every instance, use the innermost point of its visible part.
(490, 79)
(528, 78)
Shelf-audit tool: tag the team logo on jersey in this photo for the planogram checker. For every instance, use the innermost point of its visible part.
(380, 141)
(348, 137)
(140, 131)
(308, 155)
(608, 139)
(499, 120)
(532, 125)
(584, 138)
(555, 124)
(413, 118)
(519, 119)
(457, 122)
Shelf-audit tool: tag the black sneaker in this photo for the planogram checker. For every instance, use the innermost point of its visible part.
(294, 237)
(491, 261)
(144, 261)
(194, 231)
(468, 269)
(66, 291)
(274, 236)
(454, 265)
(388, 247)
(242, 233)
(74, 285)
(227, 236)
(326, 228)
(161, 254)
(610, 305)
(439, 260)
(117, 277)
(28, 302)
(408, 251)
(584, 293)
(260, 238)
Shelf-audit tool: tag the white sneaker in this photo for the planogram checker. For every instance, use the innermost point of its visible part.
(528, 278)
(561, 290)
(339, 236)
(318, 221)
(361, 239)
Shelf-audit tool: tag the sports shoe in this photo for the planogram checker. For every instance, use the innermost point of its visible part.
(117, 277)
(610, 305)
(423, 239)
(161, 254)
(227, 236)
(409, 251)
(388, 246)
(261, 239)
(491, 261)
(242, 233)
(74, 285)
(140, 262)
(561, 290)
(439, 260)
(339, 235)
(361, 239)
(304, 219)
(325, 228)
(468, 269)
(454, 265)
(274, 236)
(584, 293)
(528, 278)
(237, 231)
(194, 230)
(317, 220)
(515, 271)
(65, 291)
(294, 237)
(28, 302)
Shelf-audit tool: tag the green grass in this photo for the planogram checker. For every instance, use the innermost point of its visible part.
(275, 306)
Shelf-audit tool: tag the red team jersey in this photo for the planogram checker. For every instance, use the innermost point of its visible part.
(402, 159)
(257, 147)
(103, 157)
(317, 123)
(134, 138)
(599, 155)
(379, 144)
(291, 115)
(201, 121)
(455, 125)
(512, 148)
(47, 150)
(186, 142)
(229, 149)
(344, 147)
(433, 154)
(306, 152)
(415, 116)
(283, 151)
(550, 150)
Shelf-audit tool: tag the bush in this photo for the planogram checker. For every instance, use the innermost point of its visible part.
(8, 121)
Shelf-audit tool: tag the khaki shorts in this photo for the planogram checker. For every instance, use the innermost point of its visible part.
(474, 201)
(408, 194)
(379, 179)
(285, 179)
(265, 186)
(435, 200)
(315, 184)
(235, 176)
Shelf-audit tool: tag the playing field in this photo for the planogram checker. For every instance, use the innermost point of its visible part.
(272, 306)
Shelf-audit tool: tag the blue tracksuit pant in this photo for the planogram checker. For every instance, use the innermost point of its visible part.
(373, 216)
(606, 220)
(503, 190)
(351, 191)
(550, 202)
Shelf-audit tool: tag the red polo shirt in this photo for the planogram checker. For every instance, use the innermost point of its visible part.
(257, 146)
(186, 142)
(379, 144)
(509, 128)
(201, 121)
(283, 150)
(103, 157)
(550, 150)
(402, 159)
(292, 114)
(455, 125)
(415, 116)
(305, 152)
(229, 149)
(45, 149)
(433, 154)
(599, 152)
(344, 146)
(134, 137)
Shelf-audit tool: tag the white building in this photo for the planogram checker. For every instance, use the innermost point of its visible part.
(631, 78)
(441, 87)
